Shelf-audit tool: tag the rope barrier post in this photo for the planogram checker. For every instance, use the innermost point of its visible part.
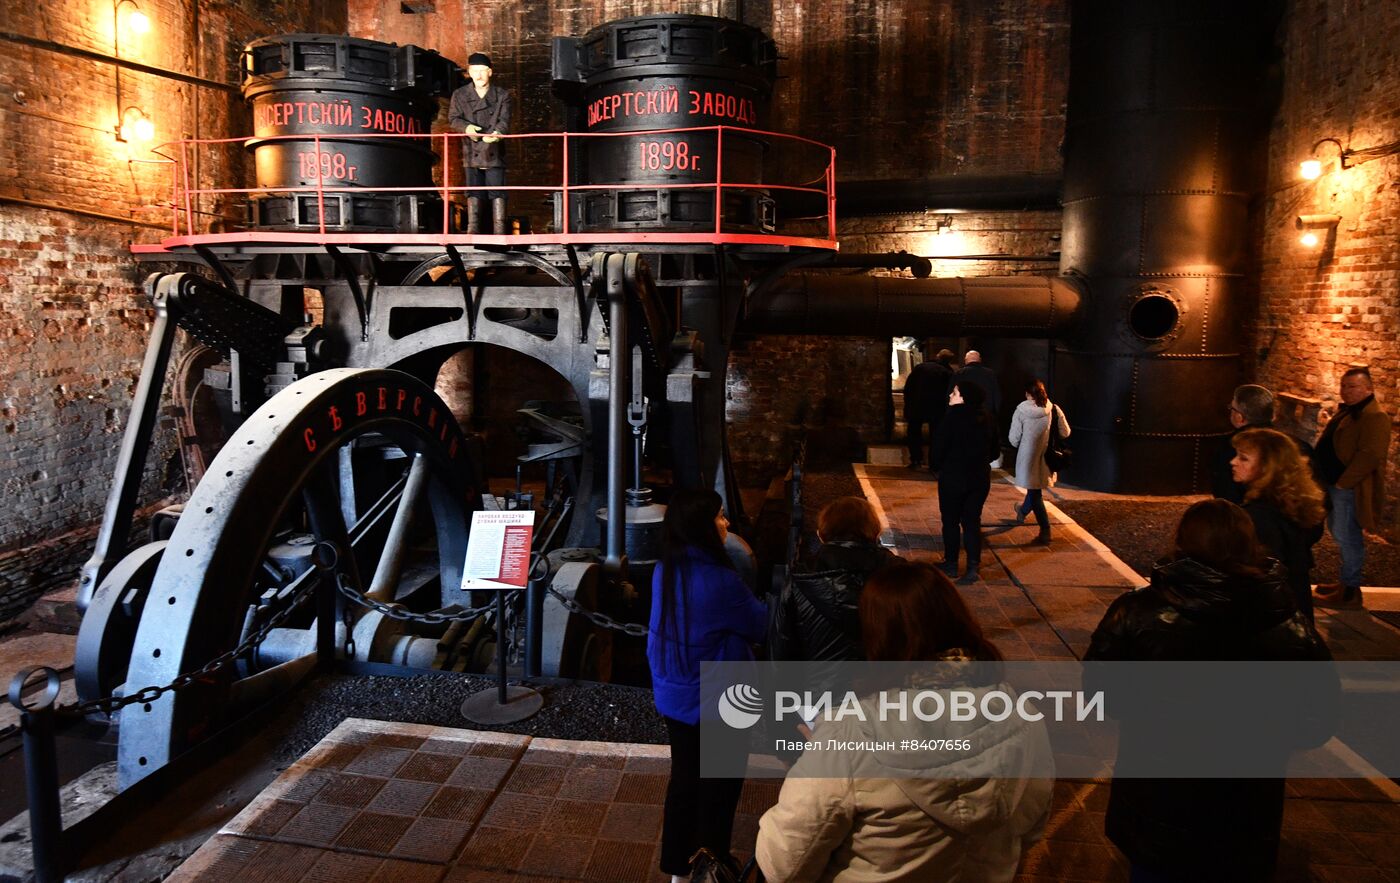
(534, 622)
(324, 556)
(41, 773)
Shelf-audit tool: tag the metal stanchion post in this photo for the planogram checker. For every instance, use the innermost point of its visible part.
(503, 704)
(325, 557)
(534, 626)
(41, 774)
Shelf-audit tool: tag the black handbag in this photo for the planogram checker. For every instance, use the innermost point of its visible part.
(706, 867)
(1057, 454)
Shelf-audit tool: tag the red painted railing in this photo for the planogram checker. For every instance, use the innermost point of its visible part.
(186, 198)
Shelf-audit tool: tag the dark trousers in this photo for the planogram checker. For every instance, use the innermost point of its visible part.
(914, 437)
(1035, 502)
(960, 506)
(486, 178)
(699, 812)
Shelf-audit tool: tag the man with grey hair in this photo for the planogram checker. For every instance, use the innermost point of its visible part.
(1252, 406)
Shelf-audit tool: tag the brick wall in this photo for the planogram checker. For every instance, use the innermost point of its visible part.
(1325, 309)
(970, 87)
(75, 322)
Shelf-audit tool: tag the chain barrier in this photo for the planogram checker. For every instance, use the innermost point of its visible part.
(602, 620)
(112, 704)
(393, 611)
(108, 706)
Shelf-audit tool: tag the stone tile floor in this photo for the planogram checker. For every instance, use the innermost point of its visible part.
(381, 801)
(392, 801)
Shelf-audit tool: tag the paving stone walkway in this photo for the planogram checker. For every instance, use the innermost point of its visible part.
(405, 802)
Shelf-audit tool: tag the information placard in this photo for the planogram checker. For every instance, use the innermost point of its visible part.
(498, 550)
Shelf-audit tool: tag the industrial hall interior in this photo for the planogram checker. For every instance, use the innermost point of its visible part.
(937, 441)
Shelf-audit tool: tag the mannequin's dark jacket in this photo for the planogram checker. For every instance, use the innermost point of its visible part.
(817, 618)
(1217, 828)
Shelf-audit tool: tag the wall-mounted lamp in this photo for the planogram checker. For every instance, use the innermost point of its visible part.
(135, 126)
(1312, 225)
(1311, 169)
(136, 20)
(132, 122)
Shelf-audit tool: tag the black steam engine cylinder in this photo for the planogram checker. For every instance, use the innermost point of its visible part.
(667, 72)
(308, 85)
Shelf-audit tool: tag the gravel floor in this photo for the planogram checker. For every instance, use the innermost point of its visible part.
(606, 712)
(1141, 532)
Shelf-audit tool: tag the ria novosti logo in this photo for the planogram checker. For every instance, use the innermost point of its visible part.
(740, 706)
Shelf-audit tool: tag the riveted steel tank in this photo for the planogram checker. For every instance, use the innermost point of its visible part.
(667, 72)
(313, 98)
(1166, 114)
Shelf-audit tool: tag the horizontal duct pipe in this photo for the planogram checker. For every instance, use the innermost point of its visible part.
(952, 193)
(883, 306)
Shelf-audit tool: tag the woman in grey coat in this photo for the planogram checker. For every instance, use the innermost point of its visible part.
(1030, 436)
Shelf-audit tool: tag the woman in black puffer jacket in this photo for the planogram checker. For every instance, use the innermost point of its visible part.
(1216, 597)
(816, 619)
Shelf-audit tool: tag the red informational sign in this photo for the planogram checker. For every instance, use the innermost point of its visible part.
(498, 550)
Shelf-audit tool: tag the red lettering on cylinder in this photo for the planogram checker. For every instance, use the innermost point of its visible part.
(383, 398)
(310, 438)
(361, 404)
(417, 405)
(400, 399)
(336, 422)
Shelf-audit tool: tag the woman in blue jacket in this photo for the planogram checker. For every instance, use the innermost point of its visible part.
(701, 611)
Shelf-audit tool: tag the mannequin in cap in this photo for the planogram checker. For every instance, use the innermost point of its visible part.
(482, 110)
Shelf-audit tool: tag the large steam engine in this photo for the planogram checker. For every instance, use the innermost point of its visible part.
(321, 452)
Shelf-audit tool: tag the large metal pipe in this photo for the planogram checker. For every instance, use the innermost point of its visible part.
(893, 306)
(1163, 114)
(619, 392)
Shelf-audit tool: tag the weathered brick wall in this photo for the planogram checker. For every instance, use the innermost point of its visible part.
(1326, 309)
(75, 321)
(902, 88)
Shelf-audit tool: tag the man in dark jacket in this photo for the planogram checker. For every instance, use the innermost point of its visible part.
(482, 110)
(973, 369)
(925, 400)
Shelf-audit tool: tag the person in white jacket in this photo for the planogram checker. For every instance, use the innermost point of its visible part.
(913, 816)
(1030, 435)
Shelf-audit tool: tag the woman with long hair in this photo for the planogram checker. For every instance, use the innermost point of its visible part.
(701, 611)
(1217, 596)
(963, 447)
(913, 815)
(1030, 436)
(1284, 502)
